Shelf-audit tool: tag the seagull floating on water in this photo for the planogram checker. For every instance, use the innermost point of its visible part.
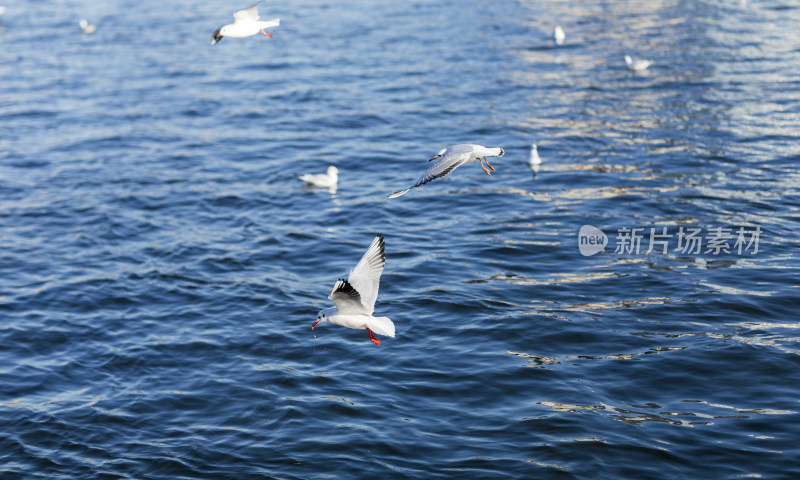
(245, 24)
(535, 160)
(86, 27)
(559, 35)
(451, 158)
(355, 297)
(637, 64)
(322, 179)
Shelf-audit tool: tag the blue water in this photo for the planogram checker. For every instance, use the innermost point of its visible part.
(161, 265)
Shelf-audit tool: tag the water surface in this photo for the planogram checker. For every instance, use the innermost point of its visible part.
(160, 264)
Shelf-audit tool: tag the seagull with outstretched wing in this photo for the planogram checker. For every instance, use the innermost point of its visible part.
(354, 298)
(246, 23)
(448, 159)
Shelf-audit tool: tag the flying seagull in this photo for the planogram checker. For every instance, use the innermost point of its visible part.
(355, 297)
(245, 24)
(451, 158)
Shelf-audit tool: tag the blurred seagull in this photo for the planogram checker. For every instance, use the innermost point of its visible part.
(2, 10)
(322, 179)
(245, 24)
(535, 160)
(355, 297)
(86, 27)
(558, 35)
(637, 65)
(451, 158)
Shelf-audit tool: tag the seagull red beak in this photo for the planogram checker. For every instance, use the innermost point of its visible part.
(314, 325)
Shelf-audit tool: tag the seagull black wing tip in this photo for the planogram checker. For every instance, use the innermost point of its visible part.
(381, 246)
(344, 286)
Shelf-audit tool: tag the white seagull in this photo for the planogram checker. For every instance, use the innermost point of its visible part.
(535, 160)
(322, 179)
(245, 24)
(637, 65)
(86, 27)
(451, 158)
(355, 297)
(558, 35)
(2, 10)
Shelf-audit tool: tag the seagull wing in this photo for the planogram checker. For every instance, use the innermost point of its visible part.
(447, 164)
(249, 14)
(315, 178)
(366, 275)
(347, 299)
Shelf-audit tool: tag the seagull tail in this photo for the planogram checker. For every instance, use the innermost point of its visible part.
(398, 194)
(275, 22)
(381, 326)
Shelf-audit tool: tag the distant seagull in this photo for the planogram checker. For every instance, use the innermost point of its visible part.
(451, 158)
(2, 10)
(86, 27)
(637, 65)
(245, 24)
(355, 297)
(558, 35)
(322, 179)
(535, 160)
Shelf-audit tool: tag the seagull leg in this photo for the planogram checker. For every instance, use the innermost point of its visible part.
(262, 32)
(485, 159)
(484, 168)
(372, 337)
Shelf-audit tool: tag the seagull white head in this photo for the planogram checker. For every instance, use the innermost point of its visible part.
(323, 316)
(333, 171)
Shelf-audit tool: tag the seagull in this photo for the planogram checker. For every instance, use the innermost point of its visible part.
(245, 24)
(86, 27)
(2, 10)
(558, 35)
(637, 65)
(451, 158)
(535, 160)
(322, 179)
(355, 297)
